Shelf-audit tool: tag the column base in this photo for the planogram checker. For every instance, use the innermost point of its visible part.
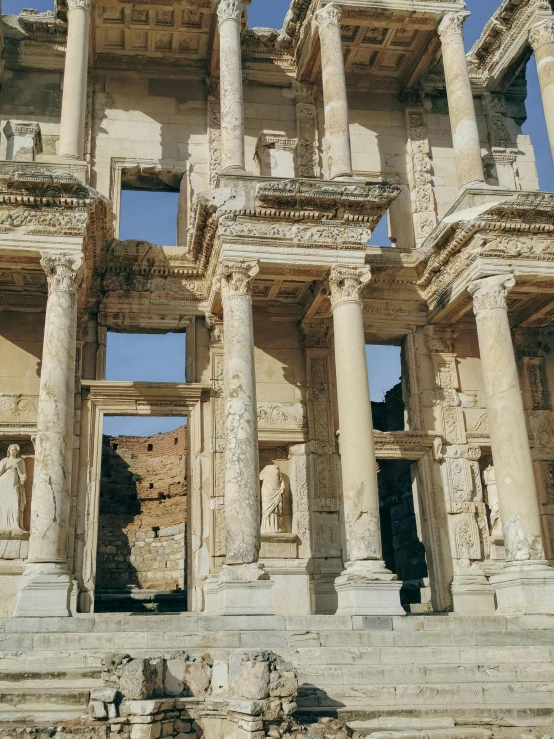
(367, 588)
(525, 588)
(473, 596)
(45, 590)
(239, 590)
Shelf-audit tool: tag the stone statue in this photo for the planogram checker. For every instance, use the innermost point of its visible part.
(12, 490)
(273, 491)
(489, 477)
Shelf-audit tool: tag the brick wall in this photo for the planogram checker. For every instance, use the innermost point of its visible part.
(143, 511)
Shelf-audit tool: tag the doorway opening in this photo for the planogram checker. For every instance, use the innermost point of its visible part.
(403, 551)
(141, 551)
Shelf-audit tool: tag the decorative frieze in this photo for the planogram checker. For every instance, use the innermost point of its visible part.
(424, 207)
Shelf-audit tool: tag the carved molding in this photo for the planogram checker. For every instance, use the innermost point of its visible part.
(440, 339)
(452, 23)
(491, 292)
(81, 4)
(63, 272)
(317, 334)
(286, 416)
(228, 10)
(541, 34)
(329, 15)
(346, 283)
(234, 279)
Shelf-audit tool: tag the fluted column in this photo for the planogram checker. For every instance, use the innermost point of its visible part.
(541, 38)
(463, 121)
(366, 586)
(337, 132)
(527, 582)
(74, 99)
(46, 581)
(229, 14)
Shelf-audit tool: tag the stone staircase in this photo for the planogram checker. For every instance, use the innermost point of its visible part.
(384, 672)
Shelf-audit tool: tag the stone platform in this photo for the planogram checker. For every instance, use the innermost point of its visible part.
(467, 670)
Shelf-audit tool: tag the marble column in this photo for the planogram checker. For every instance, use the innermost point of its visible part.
(242, 586)
(337, 132)
(74, 100)
(526, 584)
(229, 13)
(465, 135)
(46, 582)
(365, 587)
(541, 38)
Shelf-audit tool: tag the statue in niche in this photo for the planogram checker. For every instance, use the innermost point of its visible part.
(12, 490)
(273, 493)
(489, 478)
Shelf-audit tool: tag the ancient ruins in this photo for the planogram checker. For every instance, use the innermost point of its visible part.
(335, 566)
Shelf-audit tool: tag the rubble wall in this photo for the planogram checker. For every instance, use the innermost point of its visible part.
(143, 510)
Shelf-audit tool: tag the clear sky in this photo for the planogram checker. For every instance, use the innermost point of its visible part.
(140, 221)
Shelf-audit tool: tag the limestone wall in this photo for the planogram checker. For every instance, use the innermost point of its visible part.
(143, 510)
(148, 118)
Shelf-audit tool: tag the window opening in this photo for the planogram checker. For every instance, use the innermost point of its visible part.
(146, 357)
(149, 216)
(132, 574)
(384, 376)
(380, 236)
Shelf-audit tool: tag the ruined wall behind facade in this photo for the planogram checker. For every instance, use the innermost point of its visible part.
(143, 510)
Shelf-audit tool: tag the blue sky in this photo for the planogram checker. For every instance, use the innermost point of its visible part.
(163, 362)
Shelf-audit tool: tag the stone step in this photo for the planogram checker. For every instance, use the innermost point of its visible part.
(453, 732)
(69, 675)
(191, 623)
(43, 698)
(396, 718)
(528, 695)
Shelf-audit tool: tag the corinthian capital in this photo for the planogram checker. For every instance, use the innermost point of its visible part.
(234, 279)
(346, 283)
(63, 272)
(228, 10)
(328, 15)
(542, 33)
(82, 4)
(452, 23)
(490, 292)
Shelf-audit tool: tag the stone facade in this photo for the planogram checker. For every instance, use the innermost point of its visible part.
(287, 148)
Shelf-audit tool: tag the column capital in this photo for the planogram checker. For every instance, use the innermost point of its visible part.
(452, 23)
(64, 272)
(214, 324)
(328, 15)
(234, 278)
(440, 339)
(317, 333)
(542, 33)
(82, 4)
(230, 10)
(346, 283)
(490, 292)
(303, 92)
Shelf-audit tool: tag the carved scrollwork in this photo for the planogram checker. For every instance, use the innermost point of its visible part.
(328, 15)
(234, 278)
(491, 292)
(82, 4)
(63, 272)
(229, 10)
(542, 33)
(346, 283)
(452, 23)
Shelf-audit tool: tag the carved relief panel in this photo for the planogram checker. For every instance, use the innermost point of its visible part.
(424, 207)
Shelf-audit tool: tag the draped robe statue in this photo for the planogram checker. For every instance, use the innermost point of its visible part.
(273, 491)
(489, 477)
(12, 490)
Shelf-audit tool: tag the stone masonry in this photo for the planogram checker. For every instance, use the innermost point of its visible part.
(143, 511)
(397, 557)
